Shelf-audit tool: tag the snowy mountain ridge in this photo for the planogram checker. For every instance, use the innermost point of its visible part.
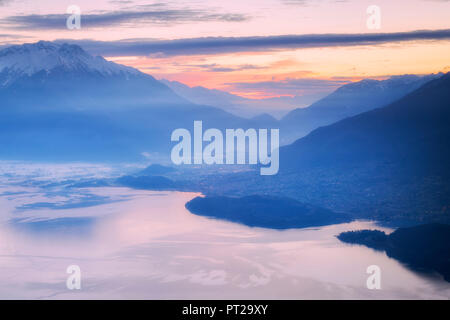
(29, 59)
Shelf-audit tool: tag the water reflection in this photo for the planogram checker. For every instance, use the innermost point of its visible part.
(147, 245)
(75, 226)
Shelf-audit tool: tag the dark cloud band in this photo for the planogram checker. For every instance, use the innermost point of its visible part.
(148, 15)
(214, 45)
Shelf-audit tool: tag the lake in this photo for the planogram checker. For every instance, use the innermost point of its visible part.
(133, 244)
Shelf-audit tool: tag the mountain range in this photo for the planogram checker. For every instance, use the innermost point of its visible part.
(240, 106)
(58, 96)
(47, 75)
(60, 103)
(349, 100)
(388, 164)
(410, 133)
(386, 160)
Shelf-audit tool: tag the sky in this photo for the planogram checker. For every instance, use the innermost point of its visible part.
(253, 48)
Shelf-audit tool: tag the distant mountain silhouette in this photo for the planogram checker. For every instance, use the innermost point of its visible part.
(59, 103)
(350, 100)
(388, 161)
(147, 182)
(46, 75)
(424, 247)
(390, 164)
(265, 211)
(411, 132)
(266, 121)
(156, 169)
(240, 106)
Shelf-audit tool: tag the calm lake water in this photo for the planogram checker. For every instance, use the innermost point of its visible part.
(146, 245)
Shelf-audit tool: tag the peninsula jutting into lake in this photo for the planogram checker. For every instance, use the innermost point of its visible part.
(424, 248)
(265, 211)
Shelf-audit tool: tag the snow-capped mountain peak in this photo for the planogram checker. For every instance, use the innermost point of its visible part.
(390, 83)
(28, 59)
